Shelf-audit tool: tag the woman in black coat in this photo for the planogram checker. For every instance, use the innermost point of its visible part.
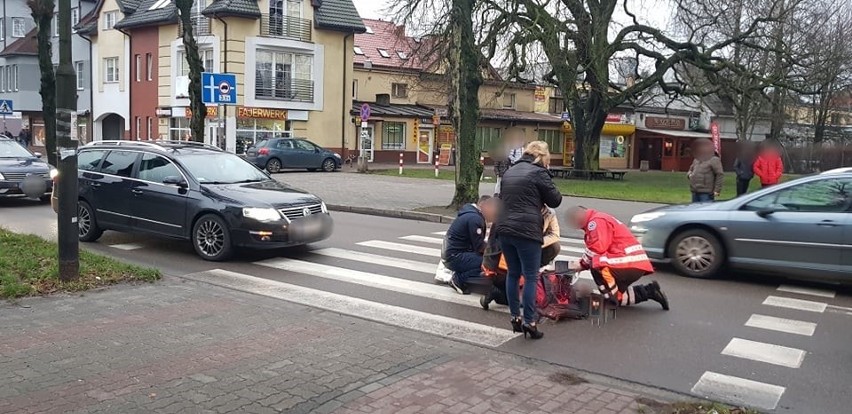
(525, 189)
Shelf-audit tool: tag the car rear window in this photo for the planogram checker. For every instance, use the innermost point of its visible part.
(119, 163)
(89, 160)
(261, 143)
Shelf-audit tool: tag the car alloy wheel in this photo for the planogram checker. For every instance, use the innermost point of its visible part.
(273, 166)
(84, 220)
(696, 253)
(328, 165)
(211, 238)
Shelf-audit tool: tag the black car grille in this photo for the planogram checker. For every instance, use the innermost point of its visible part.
(21, 176)
(293, 213)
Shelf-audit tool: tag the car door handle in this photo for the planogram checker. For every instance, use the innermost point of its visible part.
(827, 223)
(95, 184)
(137, 192)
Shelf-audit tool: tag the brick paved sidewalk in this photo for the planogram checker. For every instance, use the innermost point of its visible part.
(184, 347)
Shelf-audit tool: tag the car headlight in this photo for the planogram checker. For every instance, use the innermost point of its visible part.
(262, 214)
(54, 173)
(337, 155)
(324, 207)
(641, 218)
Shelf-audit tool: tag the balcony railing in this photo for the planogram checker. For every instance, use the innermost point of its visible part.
(200, 26)
(273, 25)
(296, 90)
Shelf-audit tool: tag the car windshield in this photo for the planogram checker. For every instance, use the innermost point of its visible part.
(11, 149)
(221, 168)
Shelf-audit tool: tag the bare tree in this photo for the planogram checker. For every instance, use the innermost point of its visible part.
(581, 38)
(196, 66)
(42, 12)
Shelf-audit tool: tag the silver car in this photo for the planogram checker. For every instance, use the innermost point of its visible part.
(798, 229)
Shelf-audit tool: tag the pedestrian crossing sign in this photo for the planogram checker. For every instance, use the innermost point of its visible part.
(6, 107)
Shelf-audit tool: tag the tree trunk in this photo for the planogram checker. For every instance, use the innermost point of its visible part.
(465, 79)
(587, 119)
(193, 59)
(42, 12)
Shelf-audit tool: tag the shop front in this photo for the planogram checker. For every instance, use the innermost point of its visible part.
(256, 124)
(665, 143)
(616, 142)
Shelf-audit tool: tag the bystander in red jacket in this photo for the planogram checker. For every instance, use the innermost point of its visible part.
(768, 166)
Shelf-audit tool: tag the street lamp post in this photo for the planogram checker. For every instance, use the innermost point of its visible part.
(66, 148)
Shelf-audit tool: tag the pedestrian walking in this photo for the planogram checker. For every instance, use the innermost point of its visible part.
(526, 189)
(744, 167)
(501, 164)
(768, 166)
(615, 258)
(705, 174)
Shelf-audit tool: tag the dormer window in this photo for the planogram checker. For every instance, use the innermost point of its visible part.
(358, 51)
(402, 55)
(384, 53)
(369, 30)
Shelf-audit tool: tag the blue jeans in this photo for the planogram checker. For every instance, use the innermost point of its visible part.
(523, 257)
(702, 197)
(467, 267)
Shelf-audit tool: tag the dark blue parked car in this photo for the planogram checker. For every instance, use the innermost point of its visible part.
(275, 154)
(22, 173)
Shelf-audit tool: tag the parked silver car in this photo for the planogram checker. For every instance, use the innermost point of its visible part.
(799, 229)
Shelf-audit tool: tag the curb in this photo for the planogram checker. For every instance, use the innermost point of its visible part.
(401, 214)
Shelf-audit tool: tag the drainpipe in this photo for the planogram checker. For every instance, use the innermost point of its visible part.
(4, 24)
(129, 83)
(224, 108)
(346, 103)
(90, 130)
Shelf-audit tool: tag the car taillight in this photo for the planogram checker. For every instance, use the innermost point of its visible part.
(263, 151)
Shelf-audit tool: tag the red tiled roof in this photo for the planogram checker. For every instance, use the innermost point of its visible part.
(387, 36)
(27, 45)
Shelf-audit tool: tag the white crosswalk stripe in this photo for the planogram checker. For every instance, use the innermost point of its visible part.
(470, 332)
(790, 326)
(380, 260)
(738, 391)
(823, 293)
(763, 352)
(798, 304)
(423, 239)
(127, 246)
(399, 247)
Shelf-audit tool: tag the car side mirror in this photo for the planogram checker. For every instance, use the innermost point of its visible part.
(765, 212)
(37, 154)
(175, 180)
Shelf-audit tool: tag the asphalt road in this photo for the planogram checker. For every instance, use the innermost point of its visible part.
(719, 339)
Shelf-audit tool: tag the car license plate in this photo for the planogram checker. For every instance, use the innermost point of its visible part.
(306, 228)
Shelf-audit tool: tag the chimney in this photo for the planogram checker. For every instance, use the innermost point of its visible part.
(383, 99)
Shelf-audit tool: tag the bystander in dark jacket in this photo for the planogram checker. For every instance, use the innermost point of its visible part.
(744, 168)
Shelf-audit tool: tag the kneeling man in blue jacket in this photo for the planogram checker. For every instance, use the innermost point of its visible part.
(464, 242)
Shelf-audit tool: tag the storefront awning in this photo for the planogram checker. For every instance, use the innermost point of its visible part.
(618, 129)
(677, 134)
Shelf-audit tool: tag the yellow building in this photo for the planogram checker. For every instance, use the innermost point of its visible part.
(408, 100)
(292, 61)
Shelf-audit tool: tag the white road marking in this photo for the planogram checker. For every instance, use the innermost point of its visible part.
(572, 240)
(573, 249)
(798, 304)
(399, 247)
(470, 332)
(823, 293)
(380, 260)
(440, 233)
(127, 246)
(772, 323)
(763, 352)
(738, 391)
(423, 239)
(373, 280)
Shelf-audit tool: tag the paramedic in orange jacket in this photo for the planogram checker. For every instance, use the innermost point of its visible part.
(615, 259)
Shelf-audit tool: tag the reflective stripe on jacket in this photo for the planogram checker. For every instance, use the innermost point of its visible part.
(609, 243)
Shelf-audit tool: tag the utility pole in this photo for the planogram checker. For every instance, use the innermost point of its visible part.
(66, 148)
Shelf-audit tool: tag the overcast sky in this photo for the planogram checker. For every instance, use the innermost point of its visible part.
(370, 9)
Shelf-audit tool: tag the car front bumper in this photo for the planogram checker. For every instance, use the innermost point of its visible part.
(273, 235)
(653, 241)
(13, 188)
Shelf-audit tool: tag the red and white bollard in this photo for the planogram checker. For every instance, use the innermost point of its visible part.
(400, 163)
(436, 168)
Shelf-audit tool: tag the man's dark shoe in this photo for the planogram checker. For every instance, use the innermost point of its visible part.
(458, 287)
(656, 294)
(484, 301)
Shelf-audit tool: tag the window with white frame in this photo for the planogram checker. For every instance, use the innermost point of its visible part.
(285, 8)
(149, 62)
(78, 67)
(111, 70)
(200, 22)
(359, 51)
(150, 128)
(55, 24)
(384, 53)
(206, 61)
(110, 18)
(138, 68)
(508, 100)
(138, 127)
(399, 90)
(75, 17)
(355, 89)
(393, 136)
(2, 28)
(284, 76)
(2, 79)
(553, 138)
(15, 78)
(18, 27)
